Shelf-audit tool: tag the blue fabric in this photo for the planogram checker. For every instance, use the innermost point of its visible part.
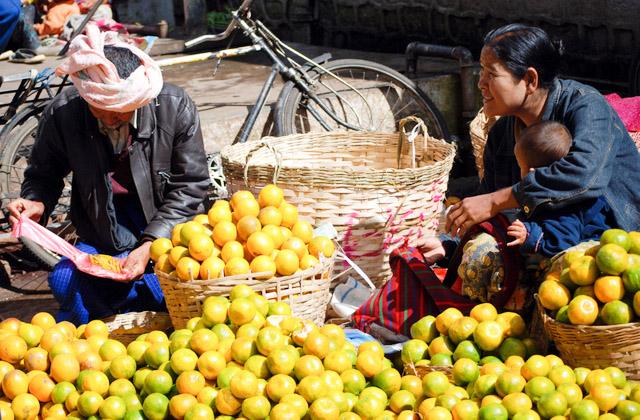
(603, 160)
(83, 297)
(9, 14)
(551, 232)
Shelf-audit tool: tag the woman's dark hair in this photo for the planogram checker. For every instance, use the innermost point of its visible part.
(520, 46)
(124, 60)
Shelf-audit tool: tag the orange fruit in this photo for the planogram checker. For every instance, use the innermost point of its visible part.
(211, 268)
(369, 363)
(175, 234)
(570, 257)
(584, 271)
(270, 196)
(553, 295)
(488, 335)
(239, 196)
(230, 250)
(218, 213)
(12, 349)
(35, 359)
(236, 266)
(321, 245)
(15, 382)
(612, 259)
(177, 253)
(224, 232)
(615, 312)
(164, 265)
(189, 230)
(227, 403)
(159, 247)
(616, 236)
(270, 216)
(317, 344)
(241, 311)
(96, 327)
(308, 365)
(188, 269)
(263, 263)
(246, 207)
(190, 382)
(180, 404)
(90, 360)
(41, 386)
(287, 262)
(201, 247)
(582, 310)
(260, 243)
(247, 226)
(289, 215)
(608, 288)
(43, 320)
(286, 233)
(446, 318)
(25, 407)
(605, 395)
(296, 245)
(156, 406)
(275, 233)
(302, 230)
(64, 367)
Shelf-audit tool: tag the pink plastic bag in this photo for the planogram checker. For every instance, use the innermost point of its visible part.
(97, 265)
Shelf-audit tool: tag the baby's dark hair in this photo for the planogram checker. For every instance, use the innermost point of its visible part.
(544, 142)
(124, 60)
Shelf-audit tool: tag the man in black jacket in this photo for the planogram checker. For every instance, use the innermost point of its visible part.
(134, 146)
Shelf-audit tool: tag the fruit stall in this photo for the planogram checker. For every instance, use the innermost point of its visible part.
(246, 336)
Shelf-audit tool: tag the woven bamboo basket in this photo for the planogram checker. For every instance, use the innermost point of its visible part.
(376, 189)
(478, 130)
(127, 327)
(306, 292)
(596, 346)
(421, 370)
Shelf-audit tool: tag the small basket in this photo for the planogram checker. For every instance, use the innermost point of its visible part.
(127, 327)
(596, 346)
(306, 292)
(376, 189)
(478, 130)
(421, 370)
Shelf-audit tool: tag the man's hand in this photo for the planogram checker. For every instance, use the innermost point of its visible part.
(20, 206)
(137, 261)
(519, 231)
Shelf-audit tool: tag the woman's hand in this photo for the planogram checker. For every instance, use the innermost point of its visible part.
(473, 210)
(430, 247)
(519, 231)
(23, 207)
(137, 261)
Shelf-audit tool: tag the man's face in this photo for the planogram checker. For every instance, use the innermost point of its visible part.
(110, 118)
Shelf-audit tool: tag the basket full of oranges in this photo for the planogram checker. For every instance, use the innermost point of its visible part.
(590, 304)
(257, 242)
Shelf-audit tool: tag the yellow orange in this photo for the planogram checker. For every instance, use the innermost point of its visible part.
(302, 230)
(270, 195)
(582, 310)
(239, 196)
(246, 207)
(263, 263)
(287, 262)
(248, 225)
(608, 288)
(296, 245)
(12, 349)
(270, 216)
(44, 320)
(230, 250)
(211, 268)
(177, 253)
(201, 247)
(188, 269)
(218, 213)
(236, 266)
(224, 232)
(175, 234)
(321, 245)
(308, 261)
(159, 247)
(289, 215)
(275, 233)
(553, 295)
(260, 243)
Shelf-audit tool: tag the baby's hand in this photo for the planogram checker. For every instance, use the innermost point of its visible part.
(519, 231)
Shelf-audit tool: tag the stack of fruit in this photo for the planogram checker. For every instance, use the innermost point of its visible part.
(240, 236)
(598, 286)
(485, 336)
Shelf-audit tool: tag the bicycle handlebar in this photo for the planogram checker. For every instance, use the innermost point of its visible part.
(242, 9)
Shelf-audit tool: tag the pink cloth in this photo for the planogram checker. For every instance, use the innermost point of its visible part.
(628, 109)
(97, 80)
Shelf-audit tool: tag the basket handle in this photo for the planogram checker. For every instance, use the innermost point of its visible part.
(276, 154)
(411, 136)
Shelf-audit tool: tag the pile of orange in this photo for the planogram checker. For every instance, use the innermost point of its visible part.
(598, 286)
(263, 236)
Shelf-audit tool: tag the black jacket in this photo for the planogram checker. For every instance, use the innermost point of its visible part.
(167, 157)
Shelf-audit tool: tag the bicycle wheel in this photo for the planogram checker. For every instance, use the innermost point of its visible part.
(366, 95)
(15, 158)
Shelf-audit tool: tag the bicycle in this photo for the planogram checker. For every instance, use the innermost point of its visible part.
(319, 94)
(19, 125)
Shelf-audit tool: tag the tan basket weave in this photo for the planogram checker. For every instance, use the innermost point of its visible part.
(349, 179)
(478, 130)
(596, 346)
(421, 370)
(127, 327)
(306, 292)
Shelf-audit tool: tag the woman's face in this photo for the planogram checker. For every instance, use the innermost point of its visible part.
(502, 94)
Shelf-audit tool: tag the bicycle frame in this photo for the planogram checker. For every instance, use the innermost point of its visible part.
(241, 20)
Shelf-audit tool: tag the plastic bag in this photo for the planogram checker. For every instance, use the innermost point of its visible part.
(97, 265)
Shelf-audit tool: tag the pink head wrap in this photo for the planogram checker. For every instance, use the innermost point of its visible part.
(97, 80)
